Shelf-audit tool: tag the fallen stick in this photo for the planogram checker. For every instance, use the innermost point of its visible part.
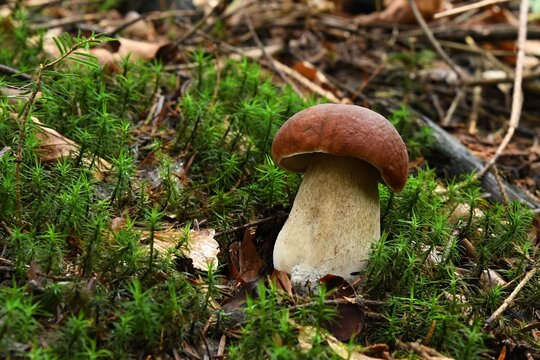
(451, 158)
(517, 97)
(510, 299)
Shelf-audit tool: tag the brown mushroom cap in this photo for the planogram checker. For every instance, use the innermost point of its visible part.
(342, 130)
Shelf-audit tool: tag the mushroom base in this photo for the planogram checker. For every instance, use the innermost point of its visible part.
(333, 223)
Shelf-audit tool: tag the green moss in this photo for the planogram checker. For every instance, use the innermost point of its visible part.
(208, 158)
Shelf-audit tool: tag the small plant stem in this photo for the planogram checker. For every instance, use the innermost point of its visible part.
(512, 296)
(87, 268)
(22, 134)
(151, 257)
(117, 187)
(24, 119)
(462, 75)
(279, 215)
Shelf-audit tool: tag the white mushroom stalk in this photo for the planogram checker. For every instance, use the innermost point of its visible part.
(333, 223)
(344, 151)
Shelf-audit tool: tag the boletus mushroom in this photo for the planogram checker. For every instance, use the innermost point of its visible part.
(343, 151)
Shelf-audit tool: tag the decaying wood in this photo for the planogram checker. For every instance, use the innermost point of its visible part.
(485, 33)
(451, 158)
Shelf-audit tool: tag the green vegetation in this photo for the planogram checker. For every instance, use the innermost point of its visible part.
(74, 285)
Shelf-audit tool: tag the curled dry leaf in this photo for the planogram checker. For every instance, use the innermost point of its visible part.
(201, 247)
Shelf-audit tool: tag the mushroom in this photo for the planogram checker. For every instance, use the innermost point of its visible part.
(343, 151)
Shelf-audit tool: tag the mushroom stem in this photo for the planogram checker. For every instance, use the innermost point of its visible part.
(334, 220)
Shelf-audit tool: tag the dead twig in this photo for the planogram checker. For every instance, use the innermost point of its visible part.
(251, 224)
(427, 31)
(216, 10)
(510, 299)
(531, 75)
(358, 300)
(500, 184)
(475, 107)
(468, 7)
(453, 107)
(66, 21)
(270, 60)
(517, 97)
(307, 83)
(8, 70)
(4, 151)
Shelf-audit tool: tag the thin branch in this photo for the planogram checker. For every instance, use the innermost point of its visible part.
(268, 57)
(453, 106)
(287, 70)
(254, 223)
(514, 293)
(464, 8)
(216, 10)
(425, 28)
(517, 98)
(26, 113)
(8, 70)
(22, 135)
(307, 83)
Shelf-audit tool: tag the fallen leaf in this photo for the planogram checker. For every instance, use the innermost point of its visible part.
(142, 29)
(246, 264)
(307, 335)
(138, 49)
(111, 53)
(490, 278)
(55, 146)
(14, 94)
(201, 246)
(305, 338)
(283, 282)
(350, 317)
(400, 12)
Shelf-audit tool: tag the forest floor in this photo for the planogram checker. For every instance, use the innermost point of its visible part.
(140, 203)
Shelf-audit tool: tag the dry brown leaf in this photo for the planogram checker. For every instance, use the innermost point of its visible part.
(400, 12)
(110, 55)
(490, 278)
(141, 29)
(55, 146)
(244, 259)
(283, 282)
(350, 317)
(202, 248)
(307, 334)
(138, 49)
